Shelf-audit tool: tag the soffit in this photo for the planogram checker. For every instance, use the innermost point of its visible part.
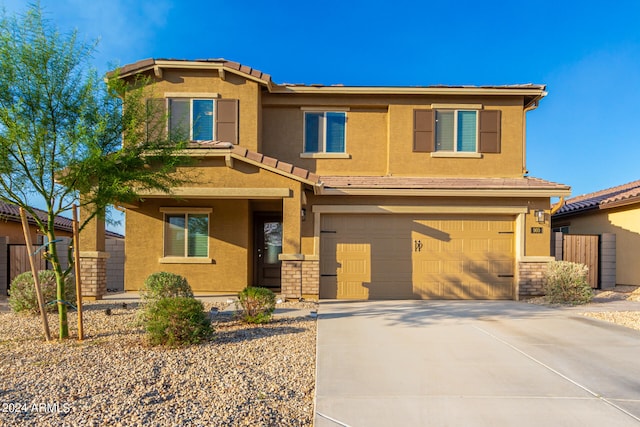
(433, 186)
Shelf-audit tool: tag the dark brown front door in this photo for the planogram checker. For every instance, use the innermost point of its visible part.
(268, 245)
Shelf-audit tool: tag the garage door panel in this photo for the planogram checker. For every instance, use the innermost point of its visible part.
(477, 245)
(452, 225)
(353, 289)
(500, 267)
(501, 226)
(328, 287)
(501, 246)
(426, 267)
(478, 267)
(428, 290)
(478, 290)
(454, 290)
(395, 289)
(455, 267)
(410, 256)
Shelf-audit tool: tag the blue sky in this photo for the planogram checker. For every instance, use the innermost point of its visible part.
(584, 134)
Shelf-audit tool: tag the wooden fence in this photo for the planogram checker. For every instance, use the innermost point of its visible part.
(583, 249)
(18, 260)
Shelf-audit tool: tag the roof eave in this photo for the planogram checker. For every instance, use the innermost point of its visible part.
(620, 203)
(579, 211)
(157, 65)
(446, 192)
(535, 93)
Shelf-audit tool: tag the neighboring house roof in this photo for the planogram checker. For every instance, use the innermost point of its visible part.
(532, 92)
(511, 187)
(604, 199)
(9, 212)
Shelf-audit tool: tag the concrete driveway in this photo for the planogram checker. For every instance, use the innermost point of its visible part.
(473, 363)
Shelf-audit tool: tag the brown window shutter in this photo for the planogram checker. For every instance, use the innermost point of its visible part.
(156, 119)
(227, 120)
(423, 131)
(489, 130)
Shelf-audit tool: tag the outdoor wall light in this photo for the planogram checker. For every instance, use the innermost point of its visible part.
(539, 216)
(303, 214)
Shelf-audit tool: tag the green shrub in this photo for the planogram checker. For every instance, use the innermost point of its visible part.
(256, 304)
(566, 283)
(165, 285)
(22, 293)
(177, 321)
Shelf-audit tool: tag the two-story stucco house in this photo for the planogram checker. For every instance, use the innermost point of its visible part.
(343, 192)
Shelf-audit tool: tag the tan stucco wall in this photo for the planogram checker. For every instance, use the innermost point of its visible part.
(379, 137)
(365, 141)
(507, 163)
(230, 227)
(538, 244)
(624, 222)
(233, 87)
(13, 230)
(228, 246)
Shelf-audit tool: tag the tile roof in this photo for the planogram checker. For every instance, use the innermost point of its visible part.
(151, 63)
(396, 182)
(254, 156)
(9, 212)
(603, 199)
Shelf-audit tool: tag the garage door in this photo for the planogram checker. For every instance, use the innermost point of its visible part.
(416, 257)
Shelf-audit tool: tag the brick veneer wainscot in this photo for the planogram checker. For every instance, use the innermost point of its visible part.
(531, 278)
(300, 278)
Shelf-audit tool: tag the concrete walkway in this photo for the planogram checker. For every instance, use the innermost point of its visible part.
(458, 363)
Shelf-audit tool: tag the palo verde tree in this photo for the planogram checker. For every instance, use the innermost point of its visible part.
(62, 127)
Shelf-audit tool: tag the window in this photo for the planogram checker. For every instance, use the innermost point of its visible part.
(452, 132)
(192, 118)
(324, 132)
(456, 130)
(186, 234)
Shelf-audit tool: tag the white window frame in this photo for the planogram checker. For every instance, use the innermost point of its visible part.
(322, 151)
(455, 129)
(186, 212)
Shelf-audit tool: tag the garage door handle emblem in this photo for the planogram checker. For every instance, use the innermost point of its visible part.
(417, 245)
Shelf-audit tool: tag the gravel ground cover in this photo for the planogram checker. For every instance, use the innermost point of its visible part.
(247, 375)
(630, 319)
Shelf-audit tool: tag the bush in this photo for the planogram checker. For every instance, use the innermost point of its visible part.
(165, 285)
(256, 304)
(177, 321)
(22, 293)
(566, 283)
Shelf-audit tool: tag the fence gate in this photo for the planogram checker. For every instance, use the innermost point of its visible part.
(583, 249)
(18, 261)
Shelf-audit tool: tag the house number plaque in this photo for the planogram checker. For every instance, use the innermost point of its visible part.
(536, 230)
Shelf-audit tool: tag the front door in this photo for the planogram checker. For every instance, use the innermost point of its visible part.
(268, 245)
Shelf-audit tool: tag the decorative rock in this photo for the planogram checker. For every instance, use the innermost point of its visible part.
(247, 375)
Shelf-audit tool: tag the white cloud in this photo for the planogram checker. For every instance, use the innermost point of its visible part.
(125, 29)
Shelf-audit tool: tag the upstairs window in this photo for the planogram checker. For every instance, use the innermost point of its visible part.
(324, 132)
(456, 131)
(192, 118)
(464, 133)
